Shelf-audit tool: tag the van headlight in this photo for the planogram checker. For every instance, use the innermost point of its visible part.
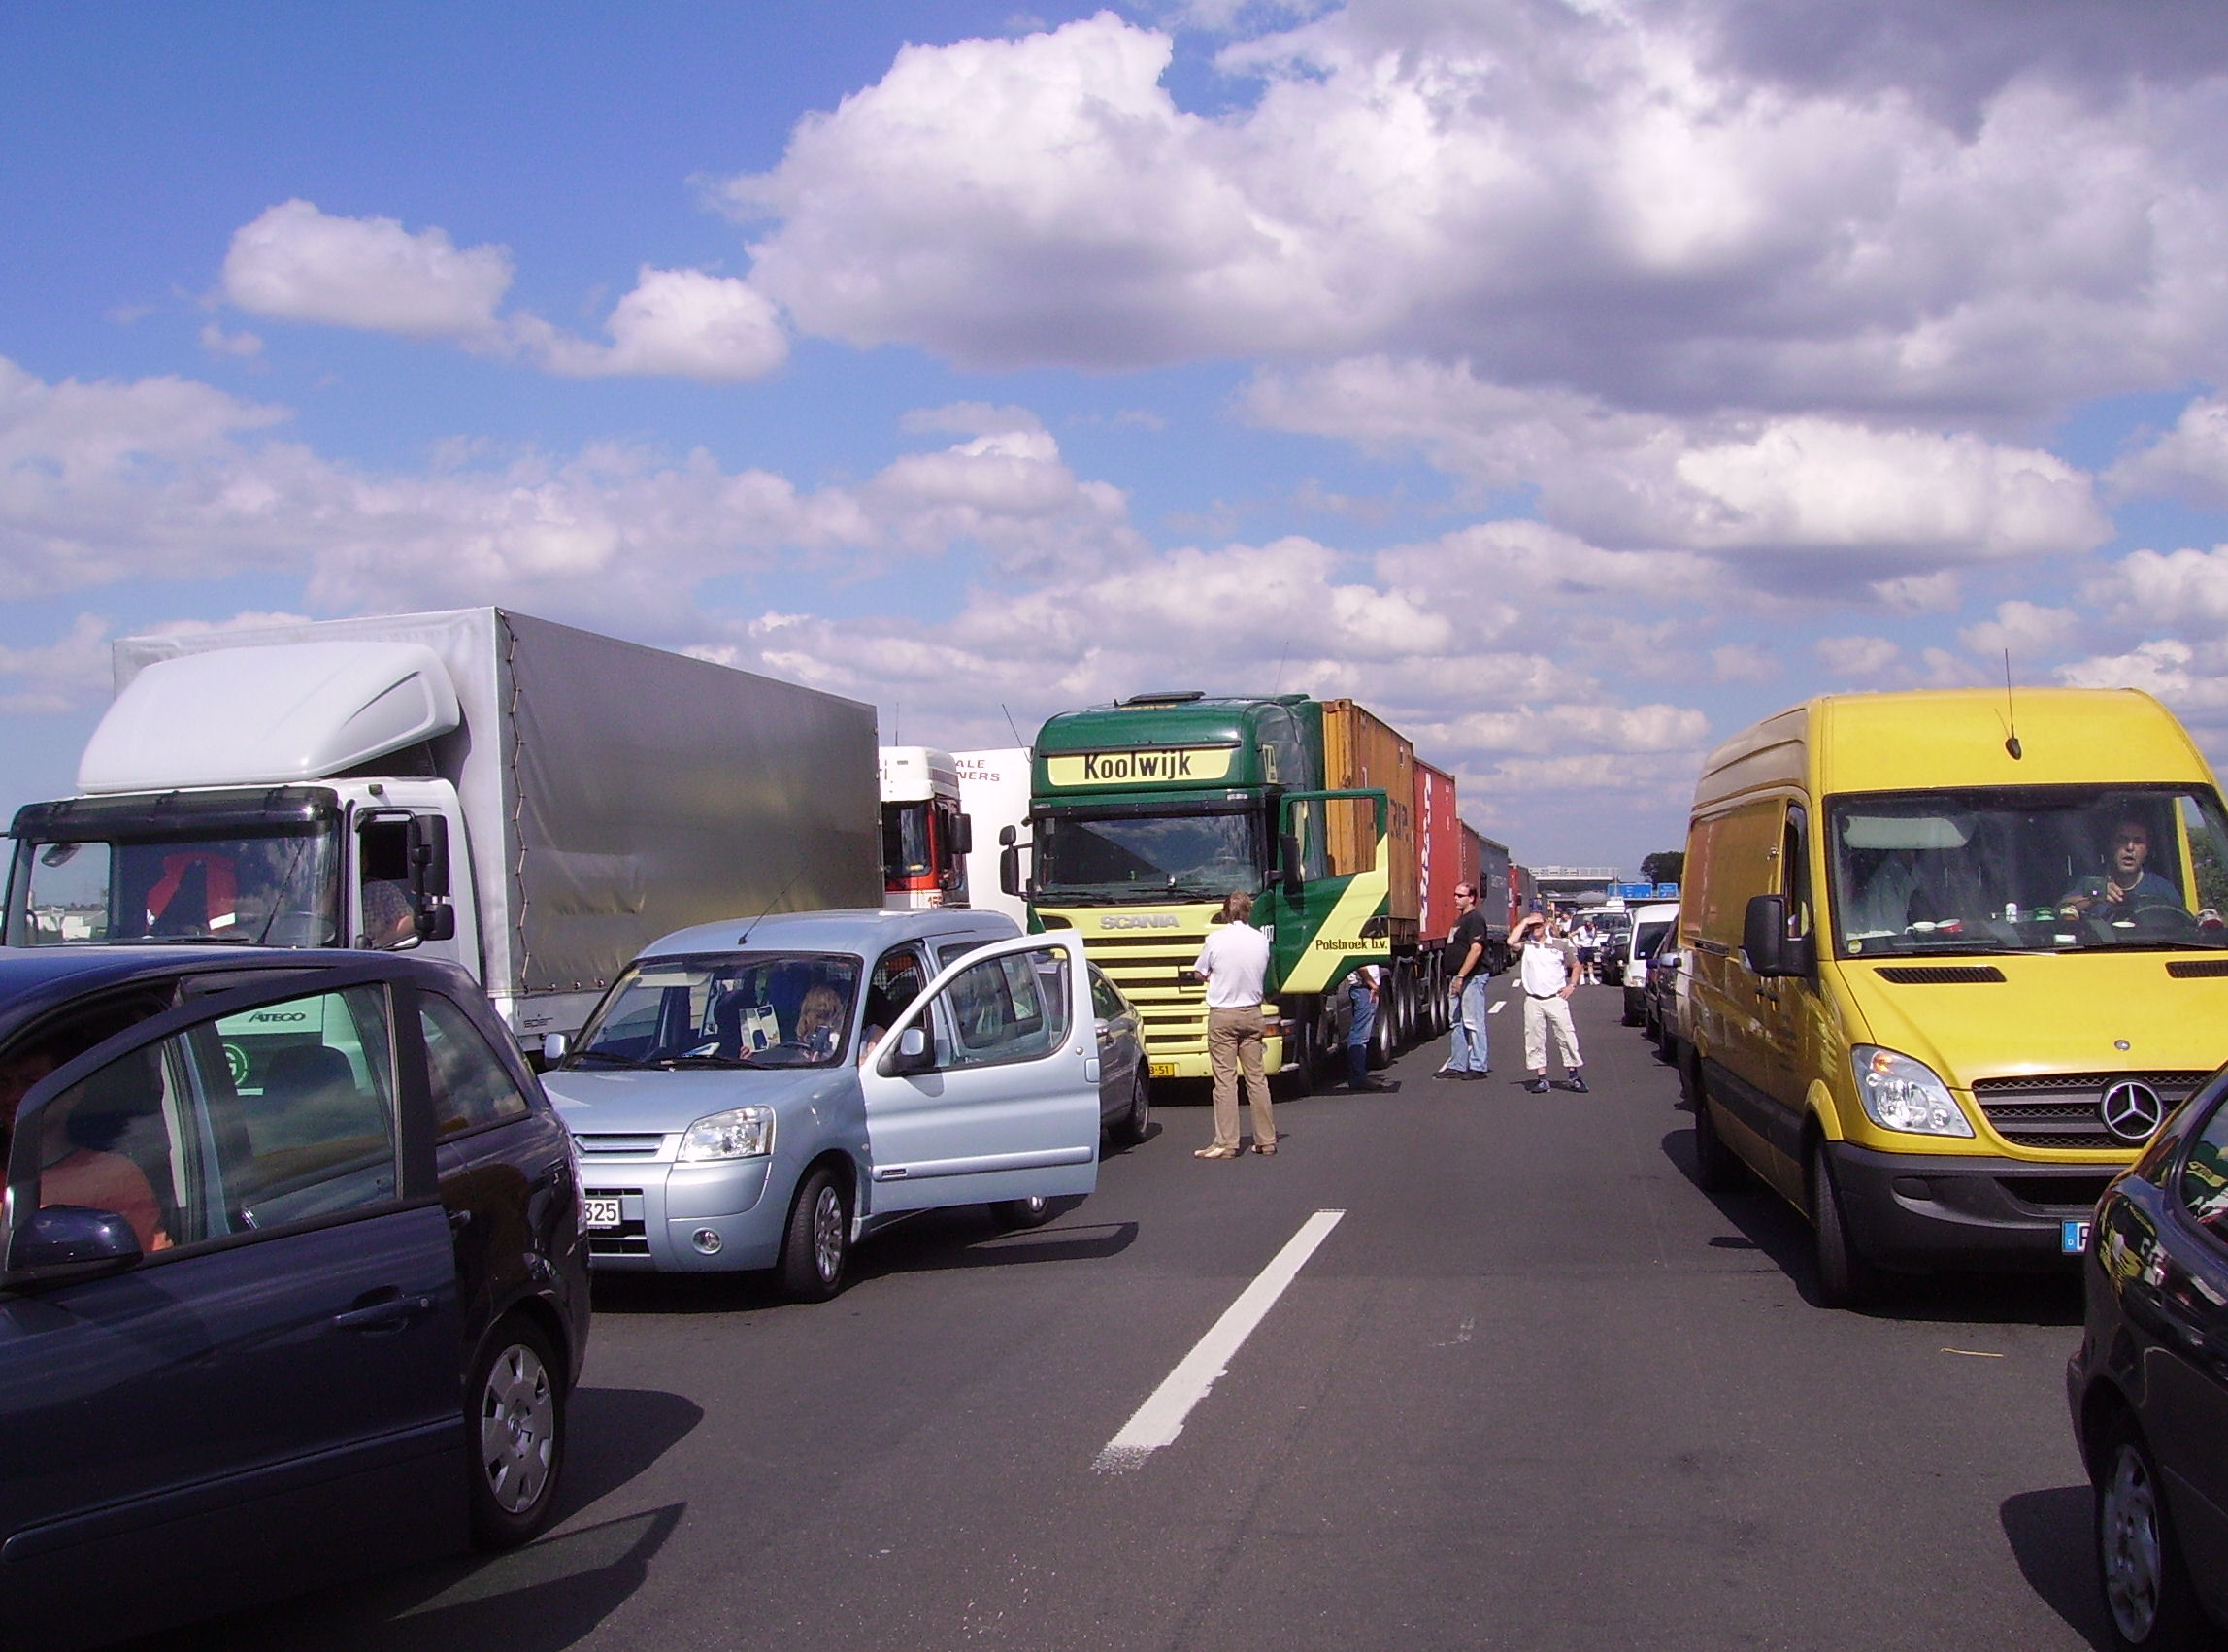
(1899, 1093)
(739, 1132)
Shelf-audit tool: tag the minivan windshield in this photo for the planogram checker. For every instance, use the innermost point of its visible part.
(2034, 869)
(1148, 855)
(727, 1010)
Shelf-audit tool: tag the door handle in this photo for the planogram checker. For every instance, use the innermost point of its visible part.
(392, 1311)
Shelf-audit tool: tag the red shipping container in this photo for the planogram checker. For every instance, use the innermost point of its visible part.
(1440, 861)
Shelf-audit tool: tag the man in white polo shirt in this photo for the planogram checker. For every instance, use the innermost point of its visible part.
(1235, 963)
(1547, 970)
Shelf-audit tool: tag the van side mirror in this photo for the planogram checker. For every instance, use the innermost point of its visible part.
(1290, 871)
(963, 834)
(64, 1244)
(1765, 941)
(911, 1055)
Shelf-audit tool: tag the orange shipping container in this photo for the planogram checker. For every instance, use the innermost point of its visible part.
(1362, 750)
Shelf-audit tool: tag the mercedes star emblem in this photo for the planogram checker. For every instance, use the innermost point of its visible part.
(2131, 1111)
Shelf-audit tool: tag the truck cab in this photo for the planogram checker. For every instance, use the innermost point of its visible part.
(925, 835)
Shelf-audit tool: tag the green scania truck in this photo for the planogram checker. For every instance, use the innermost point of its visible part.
(1144, 814)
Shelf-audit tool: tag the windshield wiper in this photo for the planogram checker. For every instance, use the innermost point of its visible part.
(616, 1059)
(672, 1061)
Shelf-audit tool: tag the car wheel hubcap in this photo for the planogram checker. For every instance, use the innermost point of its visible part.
(517, 1429)
(1140, 1107)
(2130, 1546)
(828, 1234)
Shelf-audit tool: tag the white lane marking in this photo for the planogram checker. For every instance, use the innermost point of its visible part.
(1494, 1008)
(1160, 1419)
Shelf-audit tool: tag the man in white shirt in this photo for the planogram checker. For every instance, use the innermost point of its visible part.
(1548, 970)
(1235, 963)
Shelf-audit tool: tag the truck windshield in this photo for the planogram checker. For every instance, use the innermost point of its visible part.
(277, 887)
(905, 848)
(2045, 869)
(732, 1010)
(1148, 856)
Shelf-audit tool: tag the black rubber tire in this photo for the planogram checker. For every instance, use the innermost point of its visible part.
(1846, 1278)
(1136, 1124)
(2139, 1554)
(1302, 1077)
(1717, 1169)
(515, 1374)
(1012, 1215)
(805, 1273)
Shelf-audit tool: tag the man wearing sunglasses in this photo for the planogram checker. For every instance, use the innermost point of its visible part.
(1466, 1060)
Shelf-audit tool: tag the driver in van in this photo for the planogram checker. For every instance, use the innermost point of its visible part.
(2127, 883)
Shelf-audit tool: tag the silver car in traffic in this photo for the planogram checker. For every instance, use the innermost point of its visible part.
(764, 1095)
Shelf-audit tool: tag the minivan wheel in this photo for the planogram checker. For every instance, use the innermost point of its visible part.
(2147, 1590)
(817, 1246)
(1015, 1214)
(1845, 1279)
(515, 1419)
(1716, 1167)
(1133, 1126)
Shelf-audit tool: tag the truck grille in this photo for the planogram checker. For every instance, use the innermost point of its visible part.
(2059, 1110)
(1145, 967)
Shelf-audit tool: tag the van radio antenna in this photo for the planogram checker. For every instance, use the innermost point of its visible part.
(2010, 718)
(743, 939)
(1281, 659)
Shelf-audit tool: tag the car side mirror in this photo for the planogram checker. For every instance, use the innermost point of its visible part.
(1290, 872)
(553, 1047)
(963, 834)
(1764, 938)
(911, 1055)
(64, 1244)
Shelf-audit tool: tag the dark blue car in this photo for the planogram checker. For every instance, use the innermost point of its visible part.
(293, 1286)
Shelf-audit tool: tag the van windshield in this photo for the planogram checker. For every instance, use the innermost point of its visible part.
(2024, 869)
(738, 1010)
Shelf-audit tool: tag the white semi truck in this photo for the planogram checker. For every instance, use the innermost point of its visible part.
(925, 835)
(528, 801)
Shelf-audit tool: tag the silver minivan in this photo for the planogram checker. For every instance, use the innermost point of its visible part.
(763, 1095)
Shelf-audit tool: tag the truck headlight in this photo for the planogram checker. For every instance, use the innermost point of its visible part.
(1899, 1093)
(739, 1132)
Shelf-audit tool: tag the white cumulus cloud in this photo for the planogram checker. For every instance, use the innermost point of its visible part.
(296, 263)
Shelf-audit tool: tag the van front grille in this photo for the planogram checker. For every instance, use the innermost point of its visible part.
(2059, 1110)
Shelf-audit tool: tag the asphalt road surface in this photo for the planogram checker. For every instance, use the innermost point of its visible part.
(1533, 1389)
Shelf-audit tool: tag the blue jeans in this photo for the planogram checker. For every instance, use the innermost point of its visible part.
(1358, 1035)
(1468, 1052)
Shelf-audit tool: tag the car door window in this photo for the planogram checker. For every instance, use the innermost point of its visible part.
(1011, 1007)
(1106, 1003)
(2205, 1175)
(470, 1086)
(278, 1114)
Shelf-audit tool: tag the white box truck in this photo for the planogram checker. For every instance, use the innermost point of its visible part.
(531, 802)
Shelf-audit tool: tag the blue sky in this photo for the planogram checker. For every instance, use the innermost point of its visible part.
(1570, 382)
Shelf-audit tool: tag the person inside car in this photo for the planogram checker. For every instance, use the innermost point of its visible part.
(2128, 885)
(71, 1173)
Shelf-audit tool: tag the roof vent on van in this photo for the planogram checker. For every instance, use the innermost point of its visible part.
(1939, 975)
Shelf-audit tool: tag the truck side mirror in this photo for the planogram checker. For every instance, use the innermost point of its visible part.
(437, 922)
(1007, 837)
(1764, 938)
(1290, 871)
(1008, 864)
(428, 856)
(963, 834)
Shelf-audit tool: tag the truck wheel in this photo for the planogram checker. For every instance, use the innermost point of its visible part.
(817, 1246)
(1303, 1053)
(1133, 1126)
(515, 1417)
(1015, 1214)
(1845, 1279)
(2146, 1589)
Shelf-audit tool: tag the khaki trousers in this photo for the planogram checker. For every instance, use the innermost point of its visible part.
(1541, 1015)
(1234, 1040)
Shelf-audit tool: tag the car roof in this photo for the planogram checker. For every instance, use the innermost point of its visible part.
(864, 930)
(34, 980)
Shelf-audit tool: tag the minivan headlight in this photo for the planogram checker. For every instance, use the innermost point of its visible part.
(1899, 1093)
(739, 1132)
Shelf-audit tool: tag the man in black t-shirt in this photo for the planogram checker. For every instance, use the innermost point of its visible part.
(1467, 946)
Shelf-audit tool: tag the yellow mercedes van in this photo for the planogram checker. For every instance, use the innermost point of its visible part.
(1955, 956)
